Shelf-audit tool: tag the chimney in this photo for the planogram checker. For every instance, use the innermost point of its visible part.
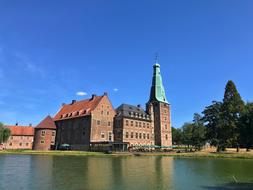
(16, 124)
(63, 104)
(105, 94)
(73, 101)
(30, 125)
(93, 96)
(139, 105)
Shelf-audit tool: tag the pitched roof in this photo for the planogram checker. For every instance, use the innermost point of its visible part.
(21, 130)
(78, 108)
(127, 110)
(47, 123)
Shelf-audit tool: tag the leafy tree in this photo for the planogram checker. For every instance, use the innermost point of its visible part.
(232, 109)
(176, 136)
(214, 125)
(246, 127)
(4, 133)
(198, 138)
(222, 119)
(187, 134)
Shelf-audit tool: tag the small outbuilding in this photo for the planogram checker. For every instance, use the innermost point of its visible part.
(44, 135)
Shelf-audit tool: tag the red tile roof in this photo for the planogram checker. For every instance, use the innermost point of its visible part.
(47, 123)
(21, 130)
(78, 108)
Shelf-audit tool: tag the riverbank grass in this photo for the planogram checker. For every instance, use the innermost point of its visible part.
(202, 154)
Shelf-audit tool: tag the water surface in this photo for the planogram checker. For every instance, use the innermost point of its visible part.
(35, 172)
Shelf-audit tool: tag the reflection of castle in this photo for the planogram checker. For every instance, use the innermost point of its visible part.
(94, 122)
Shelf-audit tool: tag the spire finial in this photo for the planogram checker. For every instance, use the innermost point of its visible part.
(156, 57)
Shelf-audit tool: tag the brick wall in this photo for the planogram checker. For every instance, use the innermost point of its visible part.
(44, 139)
(19, 142)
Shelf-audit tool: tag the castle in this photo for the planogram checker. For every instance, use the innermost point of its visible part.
(93, 124)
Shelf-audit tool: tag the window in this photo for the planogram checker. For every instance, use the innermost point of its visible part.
(98, 122)
(11, 137)
(126, 122)
(110, 136)
(139, 124)
(140, 135)
(27, 144)
(20, 144)
(136, 124)
(132, 123)
(43, 133)
(148, 136)
(147, 125)
(83, 133)
(102, 135)
(132, 135)
(165, 126)
(126, 134)
(136, 135)
(144, 136)
(108, 112)
(166, 137)
(10, 144)
(144, 125)
(165, 119)
(42, 142)
(102, 112)
(109, 123)
(53, 133)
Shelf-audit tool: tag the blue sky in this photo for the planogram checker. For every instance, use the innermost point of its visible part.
(50, 50)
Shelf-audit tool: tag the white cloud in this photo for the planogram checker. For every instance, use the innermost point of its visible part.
(81, 93)
(115, 90)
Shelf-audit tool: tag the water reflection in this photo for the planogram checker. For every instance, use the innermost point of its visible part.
(105, 173)
(28, 172)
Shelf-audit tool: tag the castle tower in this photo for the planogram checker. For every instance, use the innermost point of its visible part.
(44, 135)
(159, 107)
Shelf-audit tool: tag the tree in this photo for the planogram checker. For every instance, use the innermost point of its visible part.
(176, 136)
(246, 127)
(232, 109)
(187, 134)
(214, 125)
(198, 138)
(222, 119)
(4, 133)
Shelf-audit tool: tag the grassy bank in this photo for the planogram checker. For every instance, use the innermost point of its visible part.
(55, 153)
(242, 155)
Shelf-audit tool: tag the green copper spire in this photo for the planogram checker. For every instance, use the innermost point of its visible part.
(157, 90)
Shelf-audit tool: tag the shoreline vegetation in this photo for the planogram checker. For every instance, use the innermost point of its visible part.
(198, 154)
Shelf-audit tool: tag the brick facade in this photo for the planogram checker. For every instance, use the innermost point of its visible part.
(133, 125)
(95, 125)
(21, 138)
(44, 136)
(44, 139)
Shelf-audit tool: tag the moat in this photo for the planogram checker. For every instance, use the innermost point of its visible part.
(28, 172)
